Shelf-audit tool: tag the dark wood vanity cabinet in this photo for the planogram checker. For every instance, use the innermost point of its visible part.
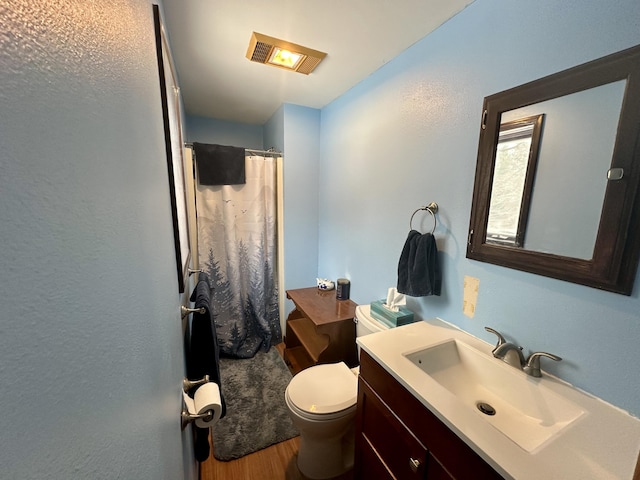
(399, 438)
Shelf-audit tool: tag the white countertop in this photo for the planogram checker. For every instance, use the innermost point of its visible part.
(601, 444)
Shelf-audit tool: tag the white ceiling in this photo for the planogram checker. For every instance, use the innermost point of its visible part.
(209, 40)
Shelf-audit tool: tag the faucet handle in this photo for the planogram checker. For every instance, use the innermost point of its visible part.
(501, 339)
(532, 367)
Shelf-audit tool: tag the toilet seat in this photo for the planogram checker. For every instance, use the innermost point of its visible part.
(323, 391)
(319, 417)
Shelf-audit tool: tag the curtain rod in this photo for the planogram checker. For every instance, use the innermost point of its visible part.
(271, 151)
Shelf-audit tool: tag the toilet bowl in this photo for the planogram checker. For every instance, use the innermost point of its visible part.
(322, 404)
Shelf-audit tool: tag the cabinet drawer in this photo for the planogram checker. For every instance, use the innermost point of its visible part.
(397, 447)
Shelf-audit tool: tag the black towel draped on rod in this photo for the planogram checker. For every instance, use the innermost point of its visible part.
(251, 151)
(419, 272)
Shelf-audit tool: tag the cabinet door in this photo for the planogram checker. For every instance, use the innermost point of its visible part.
(371, 466)
(402, 453)
(435, 471)
(455, 458)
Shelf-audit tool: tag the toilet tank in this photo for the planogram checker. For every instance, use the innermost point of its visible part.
(365, 323)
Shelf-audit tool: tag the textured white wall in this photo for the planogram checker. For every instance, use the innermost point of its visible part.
(91, 355)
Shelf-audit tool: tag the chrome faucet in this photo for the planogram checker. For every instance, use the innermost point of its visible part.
(530, 366)
(503, 347)
(501, 353)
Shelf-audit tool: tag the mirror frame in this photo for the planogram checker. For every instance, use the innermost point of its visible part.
(174, 147)
(617, 247)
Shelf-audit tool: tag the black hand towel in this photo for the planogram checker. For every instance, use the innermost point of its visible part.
(219, 164)
(203, 356)
(418, 268)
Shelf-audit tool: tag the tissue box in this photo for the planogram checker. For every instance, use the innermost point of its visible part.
(393, 319)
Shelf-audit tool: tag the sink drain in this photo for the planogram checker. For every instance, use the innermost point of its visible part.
(486, 408)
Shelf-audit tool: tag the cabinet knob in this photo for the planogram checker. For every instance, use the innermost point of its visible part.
(414, 464)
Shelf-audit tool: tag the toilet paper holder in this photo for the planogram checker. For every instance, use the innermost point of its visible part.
(185, 416)
(189, 384)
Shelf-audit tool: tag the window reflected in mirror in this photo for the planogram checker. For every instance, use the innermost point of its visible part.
(513, 176)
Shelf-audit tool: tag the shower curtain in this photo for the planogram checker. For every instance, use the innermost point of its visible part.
(237, 250)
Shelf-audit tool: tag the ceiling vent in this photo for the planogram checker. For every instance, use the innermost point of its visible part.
(287, 55)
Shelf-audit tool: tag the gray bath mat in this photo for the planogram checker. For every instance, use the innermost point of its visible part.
(257, 414)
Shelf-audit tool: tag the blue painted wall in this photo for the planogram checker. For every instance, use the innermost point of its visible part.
(408, 135)
(295, 131)
(301, 170)
(223, 132)
(91, 349)
(273, 130)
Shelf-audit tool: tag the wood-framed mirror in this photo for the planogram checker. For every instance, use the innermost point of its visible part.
(574, 203)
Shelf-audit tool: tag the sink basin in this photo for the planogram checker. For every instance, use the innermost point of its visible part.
(527, 412)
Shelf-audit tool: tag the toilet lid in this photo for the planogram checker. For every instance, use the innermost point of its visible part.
(325, 388)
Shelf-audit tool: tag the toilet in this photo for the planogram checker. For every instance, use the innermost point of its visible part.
(322, 404)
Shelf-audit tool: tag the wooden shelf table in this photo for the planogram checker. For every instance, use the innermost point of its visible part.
(319, 330)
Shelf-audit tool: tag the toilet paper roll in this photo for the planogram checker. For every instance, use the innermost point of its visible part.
(207, 397)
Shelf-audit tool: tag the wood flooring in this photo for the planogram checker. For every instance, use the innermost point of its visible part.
(277, 462)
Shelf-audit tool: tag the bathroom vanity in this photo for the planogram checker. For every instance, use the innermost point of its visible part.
(420, 390)
(319, 330)
(399, 438)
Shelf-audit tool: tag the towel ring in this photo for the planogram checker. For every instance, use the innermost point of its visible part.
(432, 208)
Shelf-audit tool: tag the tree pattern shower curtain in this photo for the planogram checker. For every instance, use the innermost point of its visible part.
(237, 250)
